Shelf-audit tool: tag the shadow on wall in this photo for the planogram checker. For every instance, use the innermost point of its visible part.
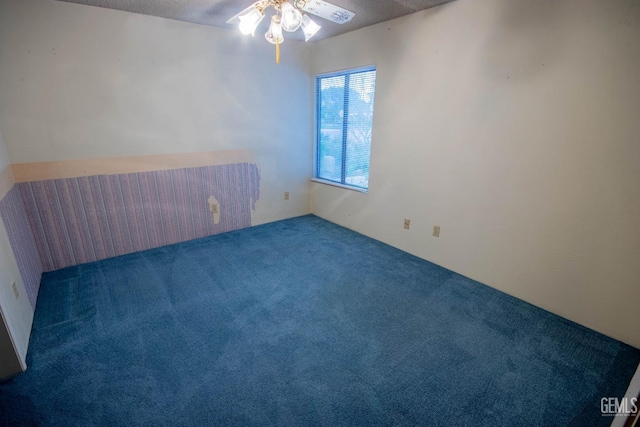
(14, 216)
(84, 219)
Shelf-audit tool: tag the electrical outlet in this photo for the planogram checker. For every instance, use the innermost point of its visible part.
(213, 207)
(436, 230)
(15, 289)
(286, 195)
(407, 223)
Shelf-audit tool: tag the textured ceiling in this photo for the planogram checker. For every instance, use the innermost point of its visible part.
(216, 12)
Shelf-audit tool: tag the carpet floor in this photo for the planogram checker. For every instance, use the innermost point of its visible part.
(301, 322)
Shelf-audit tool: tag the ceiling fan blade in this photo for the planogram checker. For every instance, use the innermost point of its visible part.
(236, 18)
(328, 11)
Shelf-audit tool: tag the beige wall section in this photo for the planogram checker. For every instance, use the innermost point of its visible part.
(82, 82)
(40, 171)
(513, 125)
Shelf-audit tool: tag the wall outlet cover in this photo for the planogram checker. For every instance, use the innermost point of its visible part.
(407, 223)
(436, 230)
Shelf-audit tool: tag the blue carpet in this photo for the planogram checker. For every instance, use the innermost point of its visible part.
(301, 322)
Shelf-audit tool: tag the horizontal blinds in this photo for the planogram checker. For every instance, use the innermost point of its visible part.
(360, 119)
(344, 109)
(330, 110)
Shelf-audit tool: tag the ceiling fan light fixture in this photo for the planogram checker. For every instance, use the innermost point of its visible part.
(274, 35)
(300, 4)
(309, 27)
(288, 17)
(250, 20)
(291, 17)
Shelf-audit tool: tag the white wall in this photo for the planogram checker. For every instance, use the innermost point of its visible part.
(512, 124)
(82, 82)
(4, 156)
(17, 313)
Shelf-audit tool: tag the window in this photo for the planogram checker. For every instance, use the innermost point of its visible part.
(344, 116)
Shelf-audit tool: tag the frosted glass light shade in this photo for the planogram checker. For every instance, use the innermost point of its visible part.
(250, 21)
(275, 31)
(309, 28)
(291, 17)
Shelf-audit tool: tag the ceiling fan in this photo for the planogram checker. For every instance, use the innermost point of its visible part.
(288, 17)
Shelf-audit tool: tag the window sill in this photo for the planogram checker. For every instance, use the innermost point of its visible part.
(335, 184)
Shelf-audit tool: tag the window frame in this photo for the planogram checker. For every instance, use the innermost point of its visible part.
(316, 128)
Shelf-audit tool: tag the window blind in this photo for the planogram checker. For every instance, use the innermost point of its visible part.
(344, 119)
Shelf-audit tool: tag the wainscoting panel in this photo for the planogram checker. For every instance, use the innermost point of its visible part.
(14, 216)
(88, 218)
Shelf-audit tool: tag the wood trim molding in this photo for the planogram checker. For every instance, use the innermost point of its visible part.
(27, 172)
(6, 181)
